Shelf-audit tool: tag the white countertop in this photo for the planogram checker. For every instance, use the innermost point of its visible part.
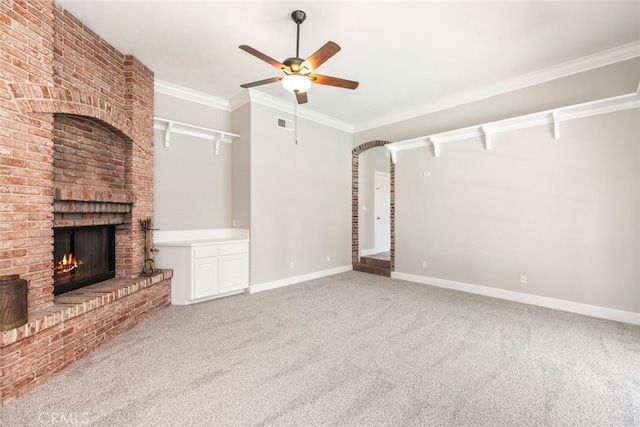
(200, 237)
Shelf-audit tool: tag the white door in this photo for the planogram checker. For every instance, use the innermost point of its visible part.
(382, 184)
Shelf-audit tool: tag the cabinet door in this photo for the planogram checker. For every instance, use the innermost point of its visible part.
(234, 272)
(205, 277)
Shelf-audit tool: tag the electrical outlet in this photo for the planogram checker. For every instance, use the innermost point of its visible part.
(523, 279)
(328, 258)
(424, 264)
(291, 264)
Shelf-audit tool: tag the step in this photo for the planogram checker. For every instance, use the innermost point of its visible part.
(373, 269)
(376, 262)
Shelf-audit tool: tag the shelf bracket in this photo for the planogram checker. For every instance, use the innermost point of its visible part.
(436, 146)
(556, 125)
(487, 137)
(172, 126)
(218, 141)
(167, 134)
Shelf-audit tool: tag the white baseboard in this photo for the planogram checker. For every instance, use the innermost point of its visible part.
(298, 279)
(557, 304)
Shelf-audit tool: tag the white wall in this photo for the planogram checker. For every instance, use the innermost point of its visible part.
(370, 161)
(300, 197)
(566, 213)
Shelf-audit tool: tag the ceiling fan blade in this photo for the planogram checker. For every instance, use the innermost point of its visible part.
(320, 56)
(261, 82)
(333, 81)
(279, 65)
(301, 97)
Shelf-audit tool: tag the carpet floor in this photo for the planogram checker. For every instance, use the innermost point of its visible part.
(350, 350)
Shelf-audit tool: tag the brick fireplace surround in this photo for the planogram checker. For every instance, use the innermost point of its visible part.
(76, 148)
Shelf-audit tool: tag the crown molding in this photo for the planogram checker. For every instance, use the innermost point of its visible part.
(181, 92)
(239, 100)
(590, 62)
(485, 130)
(580, 65)
(245, 97)
(287, 107)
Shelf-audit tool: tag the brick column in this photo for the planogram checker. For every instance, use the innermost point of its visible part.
(26, 149)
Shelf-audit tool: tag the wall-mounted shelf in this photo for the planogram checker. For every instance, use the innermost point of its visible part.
(485, 131)
(169, 126)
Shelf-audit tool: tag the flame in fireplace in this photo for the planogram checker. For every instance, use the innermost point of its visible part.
(68, 263)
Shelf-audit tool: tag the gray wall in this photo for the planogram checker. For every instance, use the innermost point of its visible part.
(182, 110)
(612, 80)
(300, 197)
(241, 167)
(566, 213)
(192, 186)
(294, 198)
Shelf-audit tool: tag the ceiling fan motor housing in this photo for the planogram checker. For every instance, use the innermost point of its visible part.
(294, 64)
(298, 16)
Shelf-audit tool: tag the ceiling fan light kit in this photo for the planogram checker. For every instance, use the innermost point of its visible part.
(296, 83)
(298, 78)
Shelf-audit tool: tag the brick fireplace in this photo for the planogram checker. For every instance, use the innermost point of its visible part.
(76, 150)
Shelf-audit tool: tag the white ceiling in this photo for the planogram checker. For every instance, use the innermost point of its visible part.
(407, 55)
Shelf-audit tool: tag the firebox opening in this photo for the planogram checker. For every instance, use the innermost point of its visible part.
(83, 256)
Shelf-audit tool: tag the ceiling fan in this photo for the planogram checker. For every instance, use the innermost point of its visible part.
(298, 72)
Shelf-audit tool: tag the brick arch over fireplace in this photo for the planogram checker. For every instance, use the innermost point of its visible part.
(57, 100)
(355, 204)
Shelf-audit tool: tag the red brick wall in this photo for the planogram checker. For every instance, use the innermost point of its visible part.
(87, 155)
(84, 61)
(76, 146)
(139, 111)
(50, 64)
(26, 56)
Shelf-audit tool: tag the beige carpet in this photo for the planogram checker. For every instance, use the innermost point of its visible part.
(351, 350)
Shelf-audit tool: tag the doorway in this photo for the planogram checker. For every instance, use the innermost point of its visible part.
(355, 203)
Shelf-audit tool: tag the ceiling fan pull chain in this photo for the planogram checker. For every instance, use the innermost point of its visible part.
(295, 121)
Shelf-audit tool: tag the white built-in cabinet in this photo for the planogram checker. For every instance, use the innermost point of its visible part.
(206, 264)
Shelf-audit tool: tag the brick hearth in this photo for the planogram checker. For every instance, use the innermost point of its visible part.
(79, 322)
(76, 148)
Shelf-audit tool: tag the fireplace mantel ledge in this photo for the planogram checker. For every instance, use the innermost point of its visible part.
(76, 303)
